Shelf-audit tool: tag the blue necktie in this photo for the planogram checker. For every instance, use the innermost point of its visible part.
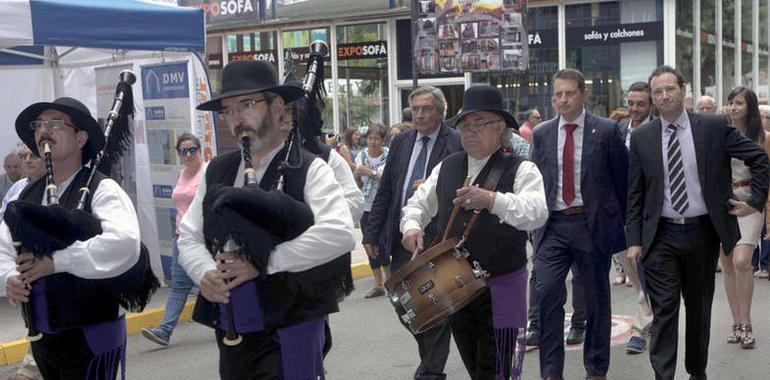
(418, 171)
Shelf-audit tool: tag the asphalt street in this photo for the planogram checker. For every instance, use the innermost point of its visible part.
(369, 343)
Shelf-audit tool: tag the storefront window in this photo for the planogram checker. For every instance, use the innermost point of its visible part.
(614, 44)
(728, 48)
(362, 72)
(708, 51)
(762, 90)
(747, 45)
(530, 89)
(258, 46)
(684, 45)
(297, 42)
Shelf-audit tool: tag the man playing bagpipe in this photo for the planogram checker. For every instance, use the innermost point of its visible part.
(67, 276)
(265, 236)
(499, 197)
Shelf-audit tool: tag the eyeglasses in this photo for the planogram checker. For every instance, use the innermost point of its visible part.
(243, 105)
(54, 124)
(476, 125)
(184, 151)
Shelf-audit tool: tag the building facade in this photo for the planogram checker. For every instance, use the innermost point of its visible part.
(614, 43)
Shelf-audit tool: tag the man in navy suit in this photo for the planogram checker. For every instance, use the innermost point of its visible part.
(412, 156)
(585, 168)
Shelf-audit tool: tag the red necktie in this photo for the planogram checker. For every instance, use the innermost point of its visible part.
(568, 166)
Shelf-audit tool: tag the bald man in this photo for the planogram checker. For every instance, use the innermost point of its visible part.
(706, 104)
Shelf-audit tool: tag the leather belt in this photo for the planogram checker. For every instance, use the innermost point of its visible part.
(693, 220)
(572, 211)
(737, 184)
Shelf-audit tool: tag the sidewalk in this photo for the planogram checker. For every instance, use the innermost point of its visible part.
(13, 345)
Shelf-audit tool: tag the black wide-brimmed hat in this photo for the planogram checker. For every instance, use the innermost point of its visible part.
(485, 98)
(246, 77)
(77, 111)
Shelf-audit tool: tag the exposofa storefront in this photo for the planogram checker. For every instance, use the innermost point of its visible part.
(614, 43)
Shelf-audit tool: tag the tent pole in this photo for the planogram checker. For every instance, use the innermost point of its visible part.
(58, 88)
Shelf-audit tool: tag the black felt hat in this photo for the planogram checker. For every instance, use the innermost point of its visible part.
(77, 111)
(485, 98)
(246, 77)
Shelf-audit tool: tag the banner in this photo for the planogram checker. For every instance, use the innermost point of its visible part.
(456, 36)
(362, 50)
(167, 108)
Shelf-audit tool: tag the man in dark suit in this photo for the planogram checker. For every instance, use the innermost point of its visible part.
(639, 101)
(585, 166)
(679, 210)
(412, 156)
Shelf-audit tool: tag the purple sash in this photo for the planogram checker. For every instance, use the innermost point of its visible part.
(107, 341)
(301, 347)
(247, 314)
(509, 318)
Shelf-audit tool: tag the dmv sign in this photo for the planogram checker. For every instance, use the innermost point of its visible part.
(165, 81)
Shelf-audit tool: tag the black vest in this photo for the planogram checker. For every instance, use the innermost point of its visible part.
(73, 301)
(286, 298)
(498, 247)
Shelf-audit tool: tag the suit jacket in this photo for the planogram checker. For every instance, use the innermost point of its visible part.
(603, 178)
(715, 143)
(385, 214)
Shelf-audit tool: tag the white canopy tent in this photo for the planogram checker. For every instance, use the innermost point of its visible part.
(52, 48)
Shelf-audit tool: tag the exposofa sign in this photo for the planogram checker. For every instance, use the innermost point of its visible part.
(225, 12)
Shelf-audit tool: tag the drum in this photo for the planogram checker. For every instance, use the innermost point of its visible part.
(434, 285)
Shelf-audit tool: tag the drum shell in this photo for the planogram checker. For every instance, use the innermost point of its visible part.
(435, 285)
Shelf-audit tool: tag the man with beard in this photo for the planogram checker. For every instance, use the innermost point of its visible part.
(281, 329)
(83, 328)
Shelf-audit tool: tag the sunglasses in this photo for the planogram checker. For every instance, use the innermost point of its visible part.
(27, 156)
(190, 150)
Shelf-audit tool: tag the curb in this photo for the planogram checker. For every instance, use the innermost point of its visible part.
(13, 352)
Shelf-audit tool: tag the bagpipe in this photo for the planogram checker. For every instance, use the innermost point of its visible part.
(252, 220)
(44, 229)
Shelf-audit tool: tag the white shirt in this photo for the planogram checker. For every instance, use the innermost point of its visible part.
(329, 237)
(577, 136)
(524, 209)
(353, 195)
(106, 255)
(416, 152)
(13, 193)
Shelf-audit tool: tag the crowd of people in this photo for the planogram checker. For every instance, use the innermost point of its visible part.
(664, 192)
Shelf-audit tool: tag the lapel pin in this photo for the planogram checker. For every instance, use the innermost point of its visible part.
(593, 130)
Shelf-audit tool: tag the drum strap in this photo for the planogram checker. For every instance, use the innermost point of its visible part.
(495, 172)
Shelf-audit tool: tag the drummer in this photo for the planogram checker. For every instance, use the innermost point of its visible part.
(488, 327)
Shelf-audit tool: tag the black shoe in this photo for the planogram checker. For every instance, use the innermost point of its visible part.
(576, 336)
(533, 340)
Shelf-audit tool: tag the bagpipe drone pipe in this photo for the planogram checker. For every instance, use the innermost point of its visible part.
(43, 230)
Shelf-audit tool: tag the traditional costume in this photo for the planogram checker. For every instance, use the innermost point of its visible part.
(296, 238)
(78, 308)
(489, 331)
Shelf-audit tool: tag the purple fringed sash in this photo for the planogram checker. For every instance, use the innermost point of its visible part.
(301, 350)
(107, 341)
(509, 318)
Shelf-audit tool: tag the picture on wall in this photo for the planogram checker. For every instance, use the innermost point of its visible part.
(457, 36)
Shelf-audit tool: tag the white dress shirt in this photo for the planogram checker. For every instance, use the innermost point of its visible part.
(353, 195)
(330, 236)
(524, 209)
(577, 136)
(106, 255)
(416, 152)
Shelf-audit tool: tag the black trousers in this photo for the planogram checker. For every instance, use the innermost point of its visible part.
(432, 344)
(578, 319)
(474, 335)
(681, 260)
(67, 356)
(258, 357)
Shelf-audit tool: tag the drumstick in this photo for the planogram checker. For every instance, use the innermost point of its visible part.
(455, 209)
